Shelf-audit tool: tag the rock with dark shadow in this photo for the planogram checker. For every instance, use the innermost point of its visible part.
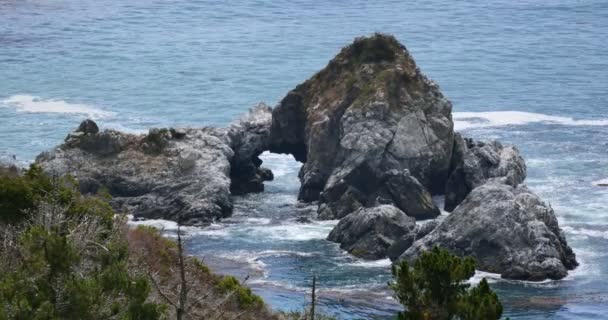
(369, 111)
(368, 233)
(249, 138)
(474, 162)
(508, 230)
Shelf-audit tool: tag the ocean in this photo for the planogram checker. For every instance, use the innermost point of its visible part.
(529, 73)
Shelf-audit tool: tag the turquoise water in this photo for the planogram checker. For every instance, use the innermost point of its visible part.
(532, 73)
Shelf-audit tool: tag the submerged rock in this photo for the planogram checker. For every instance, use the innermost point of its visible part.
(508, 230)
(176, 174)
(369, 111)
(474, 162)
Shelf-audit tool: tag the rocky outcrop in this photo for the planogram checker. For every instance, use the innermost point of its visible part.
(249, 138)
(176, 174)
(369, 232)
(474, 162)
(409, 195)
(508, 230)
(369, 111)
(364, 189)
(378, 232)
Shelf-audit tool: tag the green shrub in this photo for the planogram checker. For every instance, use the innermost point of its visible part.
(244, 296)
(435, 288)
(70, 260)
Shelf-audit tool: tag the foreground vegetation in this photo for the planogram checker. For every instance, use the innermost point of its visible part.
(436, 288)
(69, 256)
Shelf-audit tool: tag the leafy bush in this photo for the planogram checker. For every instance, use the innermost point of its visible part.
(244, 296)
(435, 289)
(65, 255)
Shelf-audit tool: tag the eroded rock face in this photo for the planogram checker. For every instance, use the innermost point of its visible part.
(364, 189)
(177, 174)
(249, 138)
(508, 230)
(369, 111)
(369, 232)
(474, 162)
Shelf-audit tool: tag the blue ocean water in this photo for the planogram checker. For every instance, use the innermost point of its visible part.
(532, 73)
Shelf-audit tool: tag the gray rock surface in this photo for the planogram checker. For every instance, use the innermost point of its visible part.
(369, 111)
(409, 195)
(474, 162)
(249, 138)
(369, 232)
(176, 174)
(508, 230)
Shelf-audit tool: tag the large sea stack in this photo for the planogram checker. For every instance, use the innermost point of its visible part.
(369, 111)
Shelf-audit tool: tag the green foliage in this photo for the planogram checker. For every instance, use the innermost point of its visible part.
(244, 296)
(435, 289)
(68, 258)
(480, 303)
(20, 194)
(200, 266)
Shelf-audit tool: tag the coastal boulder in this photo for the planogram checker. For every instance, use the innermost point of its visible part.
(474, 162)
(371, 110)
(508, 230)
(369, 232)
(409, 195)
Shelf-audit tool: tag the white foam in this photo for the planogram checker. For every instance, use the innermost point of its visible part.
(281, 164)
(253, 258)
(382, 263)
(32, 104)
(168, 228)
(479, 275)
(293, 231)
(601, 183)
(471, 120)
(586, 233)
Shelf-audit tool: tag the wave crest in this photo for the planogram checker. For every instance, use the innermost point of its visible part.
(32, 104)
(473, 120)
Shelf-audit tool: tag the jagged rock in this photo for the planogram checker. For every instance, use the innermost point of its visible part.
(474, 162)
(88, 127)
(508, 230)
(369, 111)
(409, 195)
(108, 142)
(177, 174)
(369, 232)
(249, 138)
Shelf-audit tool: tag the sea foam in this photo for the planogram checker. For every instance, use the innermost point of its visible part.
(32, 104)
(472, 120)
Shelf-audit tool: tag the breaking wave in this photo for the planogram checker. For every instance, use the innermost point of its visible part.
(473, 120)
(32, 104)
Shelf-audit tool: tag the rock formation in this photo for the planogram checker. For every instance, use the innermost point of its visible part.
(376, 139)
(249, 138)
(373, 131)
(474, 162)
(176, 174)
(369, 111)
(369, 233)
(508, 230)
